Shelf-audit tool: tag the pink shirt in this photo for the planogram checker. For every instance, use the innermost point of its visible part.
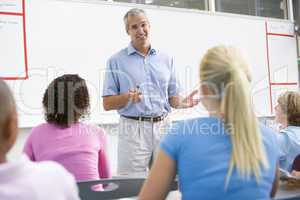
(81, 149)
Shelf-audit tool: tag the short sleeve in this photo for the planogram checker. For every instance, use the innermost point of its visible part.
(174, 88)
(111, 84)
(171, 142)
(103, 160)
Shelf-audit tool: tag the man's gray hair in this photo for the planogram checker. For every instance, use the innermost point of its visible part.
(133, 12)
(7, 105)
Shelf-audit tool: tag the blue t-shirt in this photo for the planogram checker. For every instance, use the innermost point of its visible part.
(201, 149)
(289, 146)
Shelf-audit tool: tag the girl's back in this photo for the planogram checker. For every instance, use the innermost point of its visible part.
(78, 148)
(202, 150)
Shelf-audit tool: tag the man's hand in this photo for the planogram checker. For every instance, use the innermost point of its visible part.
(187, 102)
(115, 102)
(135, 95)
(190, 101)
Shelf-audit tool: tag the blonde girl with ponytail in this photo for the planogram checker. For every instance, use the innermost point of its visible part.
(224, 68)
(227, 155)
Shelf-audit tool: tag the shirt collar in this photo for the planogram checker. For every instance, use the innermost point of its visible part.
(132, 50)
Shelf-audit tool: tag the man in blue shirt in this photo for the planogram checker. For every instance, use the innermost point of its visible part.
(141, 84)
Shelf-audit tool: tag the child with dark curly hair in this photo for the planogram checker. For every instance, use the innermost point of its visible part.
(79, 147)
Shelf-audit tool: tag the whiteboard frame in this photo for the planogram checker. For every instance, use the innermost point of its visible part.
(185, 10)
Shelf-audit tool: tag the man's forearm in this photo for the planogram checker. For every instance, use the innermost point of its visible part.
(115, 102)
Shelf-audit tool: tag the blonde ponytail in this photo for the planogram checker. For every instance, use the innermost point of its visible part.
(225, 68)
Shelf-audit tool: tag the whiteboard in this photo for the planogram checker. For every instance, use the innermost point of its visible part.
(12, 37)
(79, 37)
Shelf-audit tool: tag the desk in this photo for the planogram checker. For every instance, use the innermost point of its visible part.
(283, 194)
(132, 183)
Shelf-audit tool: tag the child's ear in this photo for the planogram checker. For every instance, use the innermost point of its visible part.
(10, 129)
(5, 130)
(8, 133)
(204, 88)
(209, 89)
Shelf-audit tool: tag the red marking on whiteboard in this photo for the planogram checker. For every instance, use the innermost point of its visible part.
(281, 34)
(25, 43)
(284, 83)
(268, 61)
(11, 13)
(14, 78)
(269, 71)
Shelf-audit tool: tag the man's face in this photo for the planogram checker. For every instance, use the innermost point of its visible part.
(138, 29)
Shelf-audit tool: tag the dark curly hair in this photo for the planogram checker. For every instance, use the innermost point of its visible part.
(66, 100)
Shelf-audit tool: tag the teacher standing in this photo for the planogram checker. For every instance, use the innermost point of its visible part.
(140, 83)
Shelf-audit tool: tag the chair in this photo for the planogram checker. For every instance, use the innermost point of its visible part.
(115, 188)
(296, 163)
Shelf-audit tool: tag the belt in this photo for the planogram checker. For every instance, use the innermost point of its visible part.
(148, 119)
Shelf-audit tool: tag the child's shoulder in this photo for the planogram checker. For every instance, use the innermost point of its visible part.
(267, 132)
(53, 171)
(43, 126)
(54, 176)
(49, 168)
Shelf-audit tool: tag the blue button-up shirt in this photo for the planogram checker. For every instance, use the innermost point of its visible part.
(154, 75)
(289, 146)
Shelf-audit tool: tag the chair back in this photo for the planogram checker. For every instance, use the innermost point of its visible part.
(114, 188)
(296, 163)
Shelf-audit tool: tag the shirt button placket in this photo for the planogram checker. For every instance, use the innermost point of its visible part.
(148, 75)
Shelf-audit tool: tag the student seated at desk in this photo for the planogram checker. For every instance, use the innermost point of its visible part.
(287, 114)
(22, 179)
(226, 155)
(79, 147)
